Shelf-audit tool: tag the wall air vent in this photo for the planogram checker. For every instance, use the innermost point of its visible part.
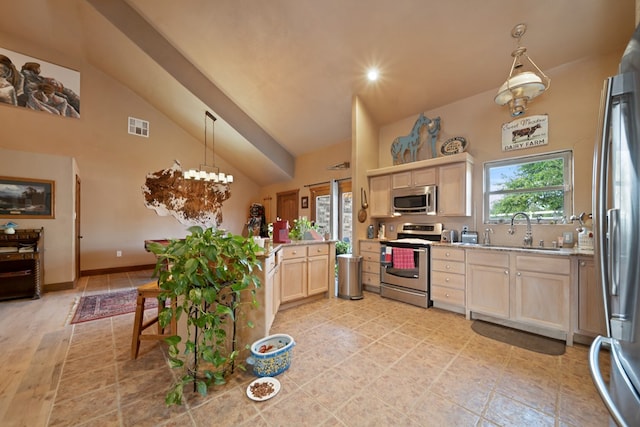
(339, 166)
(138, 127)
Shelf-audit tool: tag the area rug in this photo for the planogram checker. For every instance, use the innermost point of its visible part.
(518, 338)
(100, 306)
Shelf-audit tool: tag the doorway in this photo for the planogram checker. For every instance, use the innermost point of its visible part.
(287, 205)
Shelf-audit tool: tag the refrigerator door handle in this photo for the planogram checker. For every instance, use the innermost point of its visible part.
(598, 380)
(613, 216)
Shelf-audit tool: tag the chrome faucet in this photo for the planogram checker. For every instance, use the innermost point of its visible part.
(528, 238)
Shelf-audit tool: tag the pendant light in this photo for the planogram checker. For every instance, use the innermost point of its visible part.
(208, 172)
(521, 86)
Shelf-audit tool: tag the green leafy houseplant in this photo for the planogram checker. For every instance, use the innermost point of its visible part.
(300, 227)
(210, 275)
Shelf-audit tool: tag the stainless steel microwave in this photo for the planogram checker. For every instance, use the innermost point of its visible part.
(415, 200)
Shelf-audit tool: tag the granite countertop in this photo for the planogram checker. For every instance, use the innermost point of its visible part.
(275, 247)
(575, 251)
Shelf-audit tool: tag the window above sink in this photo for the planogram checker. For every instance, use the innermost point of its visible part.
(540, 185)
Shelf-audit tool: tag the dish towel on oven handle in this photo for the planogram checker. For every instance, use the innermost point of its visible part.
(403, 258)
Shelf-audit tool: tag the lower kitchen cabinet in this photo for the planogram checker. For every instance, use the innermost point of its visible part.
(448, 277)
(370, 253)
(271, 286)
(542, 291)
(591, 316)
(268, 298)
(306, 270)
(530, 292)
(488, 283)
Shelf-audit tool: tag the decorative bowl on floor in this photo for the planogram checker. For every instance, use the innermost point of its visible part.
(271, 356)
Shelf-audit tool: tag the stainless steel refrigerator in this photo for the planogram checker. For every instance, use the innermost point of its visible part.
(617, 236)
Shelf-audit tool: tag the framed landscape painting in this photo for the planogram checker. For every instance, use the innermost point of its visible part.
(26, 198)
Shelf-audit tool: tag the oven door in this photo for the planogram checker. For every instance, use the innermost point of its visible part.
(416, 278)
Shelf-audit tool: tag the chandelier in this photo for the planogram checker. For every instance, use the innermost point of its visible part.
(521, 86)
(208, 172)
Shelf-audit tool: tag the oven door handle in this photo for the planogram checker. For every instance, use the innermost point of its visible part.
(420, 250)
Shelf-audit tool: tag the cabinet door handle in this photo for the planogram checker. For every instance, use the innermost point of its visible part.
(448, 267)
(506, 272)
(447, 254)
(582, 264)
(446, 295)
(518, 274)
(446, 280)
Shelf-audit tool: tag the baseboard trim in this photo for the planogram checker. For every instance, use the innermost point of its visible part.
(101, 271)
(63, 286)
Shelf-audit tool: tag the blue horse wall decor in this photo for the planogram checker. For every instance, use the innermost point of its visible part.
(414, 140)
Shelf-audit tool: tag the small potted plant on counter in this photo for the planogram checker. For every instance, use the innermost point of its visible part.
(303, 229)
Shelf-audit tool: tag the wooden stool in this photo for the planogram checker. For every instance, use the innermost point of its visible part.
(149, 290)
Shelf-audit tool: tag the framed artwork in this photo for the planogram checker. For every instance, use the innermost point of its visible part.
(38, 85)
(26, 198)
(305, 202)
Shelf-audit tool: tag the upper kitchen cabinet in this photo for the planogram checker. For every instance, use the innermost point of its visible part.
(451, 174)
(380, 196)
(454, 189)
(414, 178)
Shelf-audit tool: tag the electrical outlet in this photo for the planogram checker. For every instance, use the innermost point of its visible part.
(118, 253)
(567, 237)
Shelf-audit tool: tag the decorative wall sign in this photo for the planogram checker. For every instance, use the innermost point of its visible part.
(304, 202)
(27, 198)
(525, 132)
(453, 145)
(192, 202)
(38, 85)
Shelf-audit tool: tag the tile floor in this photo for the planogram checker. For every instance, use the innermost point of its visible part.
(356, 363)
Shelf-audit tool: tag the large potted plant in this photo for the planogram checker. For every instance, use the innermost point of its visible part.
(210, 274)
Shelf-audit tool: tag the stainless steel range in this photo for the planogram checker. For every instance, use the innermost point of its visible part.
(405, 268)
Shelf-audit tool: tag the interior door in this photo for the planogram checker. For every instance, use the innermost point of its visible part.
(288, 205)
(77, 227)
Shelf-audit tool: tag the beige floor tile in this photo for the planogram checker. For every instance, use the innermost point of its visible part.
(369, 362)
(505, 411)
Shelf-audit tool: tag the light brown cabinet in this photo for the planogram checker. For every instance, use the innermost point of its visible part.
(417, 177)
(542, 291)
(454, 189)
(271, 286)
(268, 298)
(591, 316)
(448, 276)
(306, 270)
(530, 291)
(380, 196)
(370, 252)
(488, 283)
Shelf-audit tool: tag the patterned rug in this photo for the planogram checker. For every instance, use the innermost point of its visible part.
(93, 307)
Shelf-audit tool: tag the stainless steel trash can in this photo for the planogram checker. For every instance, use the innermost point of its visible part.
(349, 276)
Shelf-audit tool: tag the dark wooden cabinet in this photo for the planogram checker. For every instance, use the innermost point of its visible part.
(21, 264)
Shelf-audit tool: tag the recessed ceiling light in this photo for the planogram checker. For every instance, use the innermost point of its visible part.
(373, 75)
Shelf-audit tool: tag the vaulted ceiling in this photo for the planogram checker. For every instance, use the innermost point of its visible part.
(281, 74)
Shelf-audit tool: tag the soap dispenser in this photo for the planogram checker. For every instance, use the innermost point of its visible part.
(486, 238)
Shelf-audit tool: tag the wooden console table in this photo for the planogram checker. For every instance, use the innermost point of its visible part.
(21, 264)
